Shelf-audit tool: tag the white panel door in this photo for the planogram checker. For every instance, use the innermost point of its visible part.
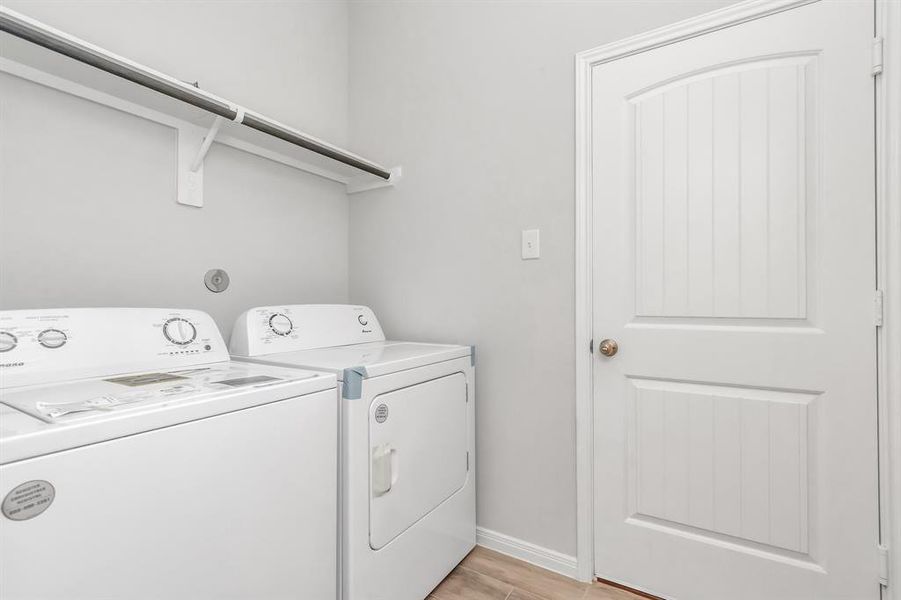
(734, 262)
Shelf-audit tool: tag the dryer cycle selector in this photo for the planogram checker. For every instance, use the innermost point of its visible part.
(363, 321)
(280, 324)
(179, 331)
(7, 341)
(52, 338)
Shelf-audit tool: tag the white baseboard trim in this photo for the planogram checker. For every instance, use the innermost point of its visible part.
(528, 552)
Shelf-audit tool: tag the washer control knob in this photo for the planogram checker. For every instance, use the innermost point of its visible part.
(7, 341)
(52, 338)
(179, 331)
(363, 321)
(280, 324)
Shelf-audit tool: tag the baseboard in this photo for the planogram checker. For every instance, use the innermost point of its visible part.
(528, 552)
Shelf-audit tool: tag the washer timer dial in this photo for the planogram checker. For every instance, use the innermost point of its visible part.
(7, 341)
(52, 338)
(179, 331)
(280, 324)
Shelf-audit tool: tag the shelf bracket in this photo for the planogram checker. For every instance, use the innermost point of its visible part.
(190, 181)
(207, 142)
(194, 142)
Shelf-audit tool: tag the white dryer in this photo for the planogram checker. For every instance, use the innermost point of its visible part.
(137, 461)
(407, 441)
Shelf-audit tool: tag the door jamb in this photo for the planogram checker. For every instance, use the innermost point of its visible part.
(888, 93)
(888, 255)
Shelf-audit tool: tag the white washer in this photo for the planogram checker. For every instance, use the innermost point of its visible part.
(408, 444)
(137, 461)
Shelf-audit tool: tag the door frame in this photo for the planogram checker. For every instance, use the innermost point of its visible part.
(888, 215)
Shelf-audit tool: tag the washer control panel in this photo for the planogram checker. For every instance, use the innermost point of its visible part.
(271, 329)
(50, 345)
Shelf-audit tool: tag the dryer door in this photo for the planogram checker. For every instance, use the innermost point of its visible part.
(418, 453)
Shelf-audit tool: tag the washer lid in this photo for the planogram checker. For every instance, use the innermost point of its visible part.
(378, 358)
(46, 418)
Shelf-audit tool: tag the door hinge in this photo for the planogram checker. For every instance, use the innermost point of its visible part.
(591, 347)
(878, 51)
(467, 461)
(879, 308)
(883, 565)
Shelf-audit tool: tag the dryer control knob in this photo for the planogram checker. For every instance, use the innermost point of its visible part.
(7, 341)
(280, 324)
(52, 338)
(179, 331)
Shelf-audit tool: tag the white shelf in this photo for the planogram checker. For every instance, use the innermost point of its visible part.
(132, 88)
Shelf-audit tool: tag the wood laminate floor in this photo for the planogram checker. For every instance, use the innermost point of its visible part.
(489, 575)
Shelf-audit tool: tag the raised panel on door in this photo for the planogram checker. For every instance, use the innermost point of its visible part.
(722, 461)
(721, 192)
(733, 202)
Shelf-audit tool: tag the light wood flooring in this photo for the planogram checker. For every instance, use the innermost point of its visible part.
(489, 575)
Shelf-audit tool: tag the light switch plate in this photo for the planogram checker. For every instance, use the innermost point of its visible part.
(530, 246)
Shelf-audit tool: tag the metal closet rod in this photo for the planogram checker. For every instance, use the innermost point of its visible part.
(184, 93)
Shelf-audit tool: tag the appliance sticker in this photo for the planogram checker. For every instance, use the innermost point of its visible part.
(144, 379)
(105, 403)
(28, 500)
(381, 413)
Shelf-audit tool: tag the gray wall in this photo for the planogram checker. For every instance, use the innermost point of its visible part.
(87, 194)
(475, 99)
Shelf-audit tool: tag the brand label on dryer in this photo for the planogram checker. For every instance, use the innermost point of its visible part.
(28, 500)
(381, 413)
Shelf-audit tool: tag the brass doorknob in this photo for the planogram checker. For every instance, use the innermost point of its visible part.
(608, 347)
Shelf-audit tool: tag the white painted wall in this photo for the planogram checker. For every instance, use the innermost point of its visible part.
(87, 194)
(475, 99)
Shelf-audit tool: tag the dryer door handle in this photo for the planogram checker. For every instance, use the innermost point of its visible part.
(384, 469)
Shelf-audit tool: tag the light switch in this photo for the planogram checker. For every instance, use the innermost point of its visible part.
(530, 247)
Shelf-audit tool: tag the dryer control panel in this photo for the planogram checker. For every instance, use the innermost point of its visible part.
(51, 345)
(270, 329)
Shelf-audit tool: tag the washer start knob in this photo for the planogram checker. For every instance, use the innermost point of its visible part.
(179, 331)
(52, 338)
